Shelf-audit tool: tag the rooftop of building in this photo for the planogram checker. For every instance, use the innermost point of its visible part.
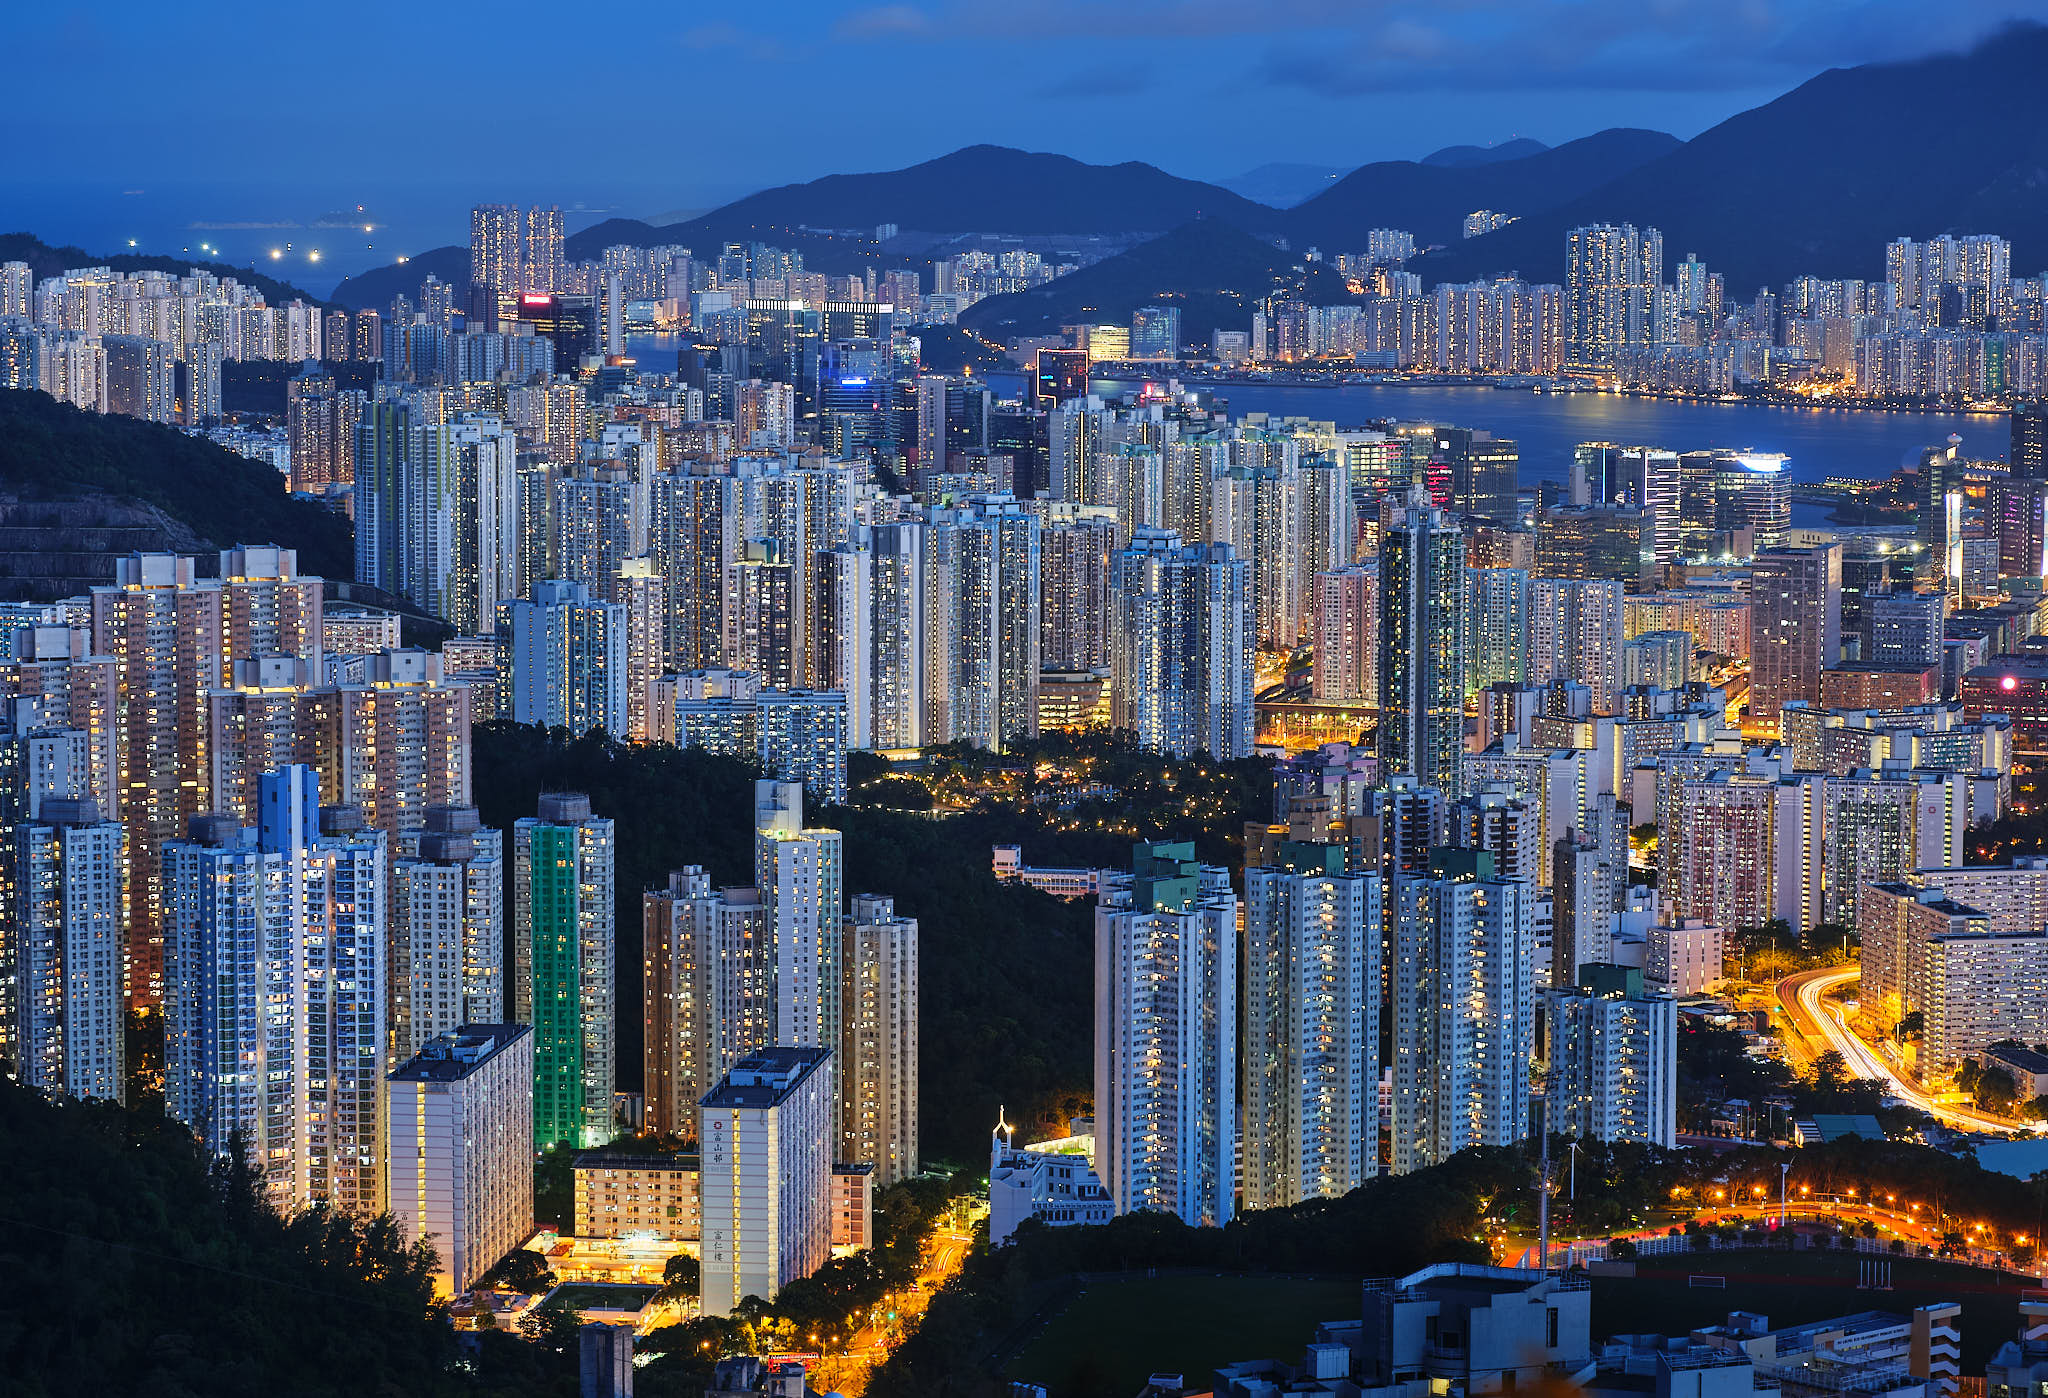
(766, 1076)
(459, 1053)
(2013, 667)
(1794, 1338)
(2025, 1059)
(1836, 1126)
(606, 1159)
(1474, 1276)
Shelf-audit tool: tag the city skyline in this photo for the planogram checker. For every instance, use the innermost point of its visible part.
(1394, 83)
(1495, 718)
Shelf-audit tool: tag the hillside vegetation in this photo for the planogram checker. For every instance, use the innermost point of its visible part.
(206, 496)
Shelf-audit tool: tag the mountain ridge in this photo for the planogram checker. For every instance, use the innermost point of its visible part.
(1823, 164)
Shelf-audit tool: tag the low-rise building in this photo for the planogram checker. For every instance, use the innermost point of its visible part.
(637, 1196)
(1685, 956)
(1007, 862)
(1476, 1329)
(1870, 1354)
(1052, 1182)
(1070, 701)
(2029, 1069)
(853, 1206)
(2020, 1367)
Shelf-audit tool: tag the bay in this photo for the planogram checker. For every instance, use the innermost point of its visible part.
(1818, 442)
(1862, 443)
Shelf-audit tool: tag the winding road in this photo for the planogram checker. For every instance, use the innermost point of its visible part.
(1802, 999)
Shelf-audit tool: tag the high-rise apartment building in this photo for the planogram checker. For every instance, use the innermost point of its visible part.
(801, 875)
(544, 273)
(1464, 1009)
(461, 1154)
(693, 535)
(73, 690)
(1575, 634)
(1928, 954)
(1422, 646)
(1613, 275)
(994, 560)
(447, 928)
(403, 740)
(842, 627)
(68, 1022)
(1166, 1037)
(1312, 1027)
(275, 986)
(598, 525)
(1493, 818)
(1611, 1056)
(172, 638)
(562, 660)
(765, 635)
(1181, 635)
(564, 980)
(392, 745)
(1497, 605)
(495, 264)
(1795, 627)
(1075, 580)
(878, 1040)
(708, 992)
(766, 1175)
(896, 666)
(1346, 637)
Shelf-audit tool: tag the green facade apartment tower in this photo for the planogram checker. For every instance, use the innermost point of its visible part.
(565, 984)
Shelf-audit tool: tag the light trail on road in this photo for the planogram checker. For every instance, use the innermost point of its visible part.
(1802, 998)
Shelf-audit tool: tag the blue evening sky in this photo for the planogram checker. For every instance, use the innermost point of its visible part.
(248, 125)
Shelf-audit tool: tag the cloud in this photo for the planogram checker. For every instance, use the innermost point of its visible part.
(720, 35)
(1669, 46)
(1114, 79)
(883, 22)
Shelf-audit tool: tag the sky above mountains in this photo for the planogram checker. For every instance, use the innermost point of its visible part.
(249, 126)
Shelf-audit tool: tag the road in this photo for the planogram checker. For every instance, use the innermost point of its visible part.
(1894, 1221)
(846, 1372)
(1802, 1000)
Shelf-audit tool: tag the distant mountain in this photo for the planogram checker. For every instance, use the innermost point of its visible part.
(1214, 272)
(1462, 156)
(1283, 185)
(993, 189)
(375, 288)
(1820, 179)
(990, 189)
(47, 261)
(1431, 200)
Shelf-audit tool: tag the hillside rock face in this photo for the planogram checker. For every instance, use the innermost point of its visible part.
(63, 548)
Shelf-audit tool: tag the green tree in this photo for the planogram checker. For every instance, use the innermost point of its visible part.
(681, 1277)
(552, 1326)
(521, 1270)
(1995, 1090)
